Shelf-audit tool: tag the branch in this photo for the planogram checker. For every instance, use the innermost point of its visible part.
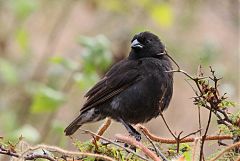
(192, 133)
(194, 149)
(103, 128)
(177, 138)
(165, 122)
(158, 152)
(66, 152)
(112, 142)
(205, 134)
(208, 97)
(28, 157)
(225, 150)
(185, 140)
(135, 143)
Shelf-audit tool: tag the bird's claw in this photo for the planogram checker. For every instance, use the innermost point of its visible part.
(138, 137)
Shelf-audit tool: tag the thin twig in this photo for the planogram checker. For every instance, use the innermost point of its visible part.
(151, 142)
(193, 133)
(112, 142)
(205, 135)
(28, 157)
(225, 150)
(165, 122)
(185, 140)
(195, 145)
(178, 141)
(172, 59)
(138, 144)
(199, 120)
(208, 98)
(66, 152)
(156, 148)
(38, 156)
(177, 138)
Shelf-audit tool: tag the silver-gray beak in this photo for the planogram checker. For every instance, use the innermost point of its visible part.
(136, 44)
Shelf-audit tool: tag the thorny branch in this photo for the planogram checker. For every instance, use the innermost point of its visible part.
(207, 96)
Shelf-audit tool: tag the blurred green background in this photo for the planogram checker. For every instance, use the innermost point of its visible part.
(52, 52)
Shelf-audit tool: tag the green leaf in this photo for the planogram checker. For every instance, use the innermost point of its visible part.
(11, 122)
(66, 63)
(8, 72)
(226, 103)
(187, 155)
(162, 14)
(23, 8)
(97, 48)
(46, 99)
(114, 6)
(57, 130)
(58, 127)
(87, 42)
(84, 146)
(22, 39)
(85, 81)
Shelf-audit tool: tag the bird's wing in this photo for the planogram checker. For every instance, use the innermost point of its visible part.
(120, 76)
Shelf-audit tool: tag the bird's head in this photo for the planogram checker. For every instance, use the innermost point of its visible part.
(146, 44)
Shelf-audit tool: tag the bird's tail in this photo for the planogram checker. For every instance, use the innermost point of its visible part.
(72, 128)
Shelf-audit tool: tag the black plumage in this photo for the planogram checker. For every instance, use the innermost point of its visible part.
(134, 90)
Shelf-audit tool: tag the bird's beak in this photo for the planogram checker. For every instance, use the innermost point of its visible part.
(136, 44)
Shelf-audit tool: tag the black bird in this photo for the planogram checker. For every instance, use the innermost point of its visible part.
(134, 90)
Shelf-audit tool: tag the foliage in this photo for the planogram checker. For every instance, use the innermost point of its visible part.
(46, 99)
(8, 72)
(50, 97)
(106, 149)
(184, 150)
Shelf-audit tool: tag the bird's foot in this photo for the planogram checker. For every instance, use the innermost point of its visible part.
(136, 135)
(133, 132)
